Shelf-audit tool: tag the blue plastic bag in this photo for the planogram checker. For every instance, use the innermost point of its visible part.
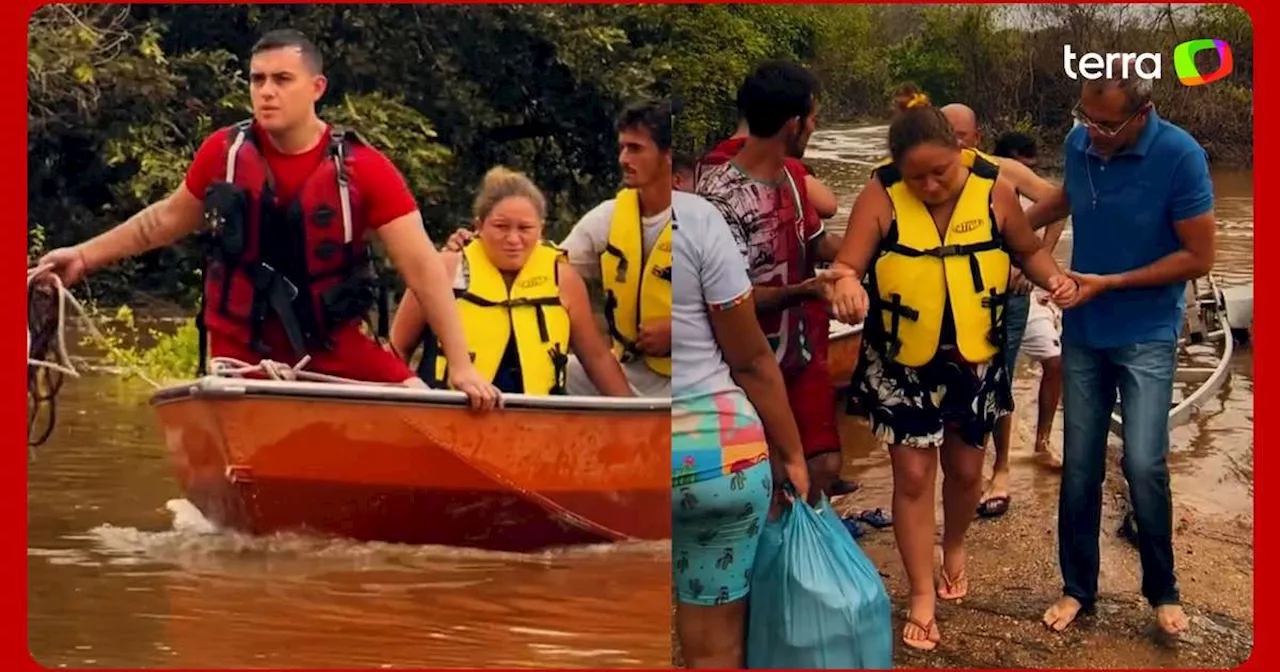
(817, 602)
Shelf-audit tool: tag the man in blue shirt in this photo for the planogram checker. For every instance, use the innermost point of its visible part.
(1141, 201)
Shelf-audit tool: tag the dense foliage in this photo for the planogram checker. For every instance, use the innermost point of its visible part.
(120, 96)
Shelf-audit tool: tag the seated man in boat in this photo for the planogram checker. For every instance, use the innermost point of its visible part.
(1030, 188)
(523, 307)
(1141, 200)
(625, 243)
(287, 269)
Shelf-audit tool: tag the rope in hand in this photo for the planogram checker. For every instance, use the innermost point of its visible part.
(47, 358)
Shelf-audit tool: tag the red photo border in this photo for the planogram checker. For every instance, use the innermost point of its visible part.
(13, 172)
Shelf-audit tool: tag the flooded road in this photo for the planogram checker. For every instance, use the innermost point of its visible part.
(1013, 560)
(125, 574)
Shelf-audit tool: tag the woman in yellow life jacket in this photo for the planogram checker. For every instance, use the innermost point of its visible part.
(934, 234)
(523, 307)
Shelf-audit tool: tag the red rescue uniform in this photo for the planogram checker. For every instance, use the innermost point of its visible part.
(307, 234)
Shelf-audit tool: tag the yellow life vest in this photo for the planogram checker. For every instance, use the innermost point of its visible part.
(635, 295)
(917, 271)
(530, 310)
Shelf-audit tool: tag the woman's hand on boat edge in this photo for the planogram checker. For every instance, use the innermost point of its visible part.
(480, 392)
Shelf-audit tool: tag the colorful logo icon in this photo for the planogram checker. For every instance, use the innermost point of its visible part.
(1184, 61)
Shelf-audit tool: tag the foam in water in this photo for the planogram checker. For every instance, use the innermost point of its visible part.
(196, 543)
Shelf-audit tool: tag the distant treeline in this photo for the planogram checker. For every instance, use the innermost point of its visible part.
(120, 96)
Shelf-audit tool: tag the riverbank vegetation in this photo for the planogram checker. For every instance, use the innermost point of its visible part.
(1005, 61)
(120, 96)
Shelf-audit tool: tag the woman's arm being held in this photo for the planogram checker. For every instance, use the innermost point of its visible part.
(861, 238)
(1036, 261)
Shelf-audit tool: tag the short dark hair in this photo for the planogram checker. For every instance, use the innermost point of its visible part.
(682, 161)
(775, 92)
(652, 115)
(287, 37)
(1014, 144)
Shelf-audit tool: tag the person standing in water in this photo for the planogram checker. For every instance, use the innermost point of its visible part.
(1141, 200)
(933, 232)
(1030, 188)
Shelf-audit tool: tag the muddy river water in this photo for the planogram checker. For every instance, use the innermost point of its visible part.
(126, 574)
(1013, 565)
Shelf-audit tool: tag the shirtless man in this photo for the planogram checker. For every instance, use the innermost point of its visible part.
(1032, 188)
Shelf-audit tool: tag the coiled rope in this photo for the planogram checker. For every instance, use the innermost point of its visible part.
(47, 358)
(48, 361)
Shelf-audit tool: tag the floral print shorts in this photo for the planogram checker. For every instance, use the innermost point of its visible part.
(914, 406)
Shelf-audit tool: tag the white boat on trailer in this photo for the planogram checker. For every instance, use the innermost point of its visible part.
(1207, 333)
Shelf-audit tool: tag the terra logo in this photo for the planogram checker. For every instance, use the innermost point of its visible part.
(1147, 65)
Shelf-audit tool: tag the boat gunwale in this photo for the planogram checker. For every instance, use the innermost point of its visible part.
(217, 387)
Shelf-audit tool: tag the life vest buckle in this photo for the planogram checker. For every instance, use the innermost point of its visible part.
(946, 251)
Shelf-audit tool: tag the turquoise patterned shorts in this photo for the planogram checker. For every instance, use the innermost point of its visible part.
(716, 527)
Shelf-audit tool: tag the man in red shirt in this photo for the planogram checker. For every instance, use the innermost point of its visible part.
(782, 261)
(288, 198)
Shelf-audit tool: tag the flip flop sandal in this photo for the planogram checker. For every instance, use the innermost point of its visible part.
(994, 507)
(924, 644)
(949, 585)
(855, 529)
(877, 518)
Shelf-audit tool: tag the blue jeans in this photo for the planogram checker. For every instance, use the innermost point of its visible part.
(1143, 375)
(1016, 312)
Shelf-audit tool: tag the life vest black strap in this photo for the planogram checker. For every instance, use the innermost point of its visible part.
(628, 347)
(543, 332)
(430, 355)
(623, 263)
(942, 251)
(897, 310)
(273, 292)
(202, 341)
(992, 302)
(475, 299)
(560, 365)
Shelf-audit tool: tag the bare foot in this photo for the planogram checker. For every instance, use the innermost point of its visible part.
(955, 584)
(1062, 613)
(921, 632)
(1047, 456)
(1171, 619)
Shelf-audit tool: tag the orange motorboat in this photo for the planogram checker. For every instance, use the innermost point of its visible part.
(416, 466)
(842, 353)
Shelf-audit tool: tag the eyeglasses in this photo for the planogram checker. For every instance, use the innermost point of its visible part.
(1109, 130)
